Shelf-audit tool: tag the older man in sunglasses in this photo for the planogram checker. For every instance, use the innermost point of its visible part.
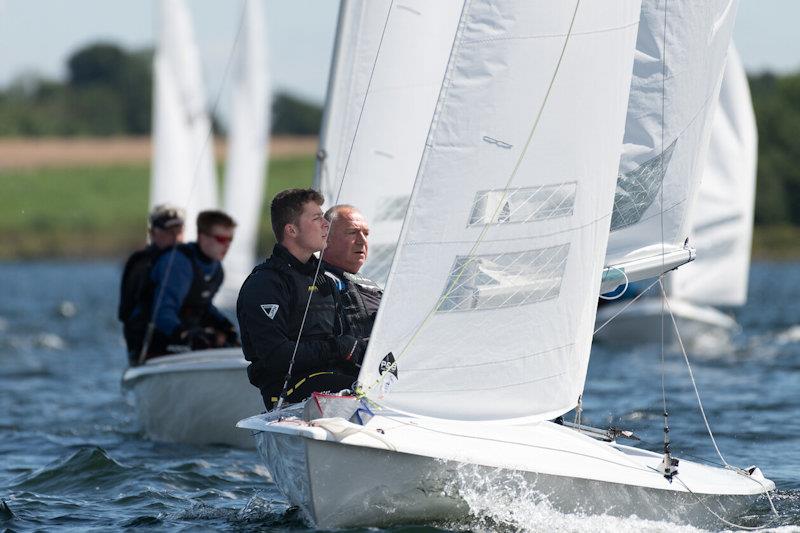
(184, 280)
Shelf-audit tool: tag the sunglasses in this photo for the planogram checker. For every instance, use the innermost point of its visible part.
(222, 239)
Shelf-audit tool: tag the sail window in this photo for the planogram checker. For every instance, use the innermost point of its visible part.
(392, 208)
(480, 282)
(637, 189)
(525, 204)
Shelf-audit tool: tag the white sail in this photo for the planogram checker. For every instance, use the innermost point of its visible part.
(680, 56)
(358, 35)
(491, 298)
(183, 160)
(723, 223)
(385, 84)
(245, 170)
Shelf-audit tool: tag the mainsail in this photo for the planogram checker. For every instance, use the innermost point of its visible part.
(680, 56)
(490, 302)
(723, 223)
(388, 67)
(183, 161)
(245, 168)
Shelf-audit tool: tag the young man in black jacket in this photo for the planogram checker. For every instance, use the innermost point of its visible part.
(287, 310)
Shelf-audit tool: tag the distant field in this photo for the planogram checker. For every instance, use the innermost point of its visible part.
(97, 211)
(88, 197)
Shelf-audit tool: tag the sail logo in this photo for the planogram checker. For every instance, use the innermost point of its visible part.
(387, 369)
(388, 364)
(270, 310)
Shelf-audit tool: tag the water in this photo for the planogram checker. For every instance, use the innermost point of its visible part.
(72, 455)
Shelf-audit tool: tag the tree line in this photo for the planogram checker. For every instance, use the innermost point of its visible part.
(108, 91)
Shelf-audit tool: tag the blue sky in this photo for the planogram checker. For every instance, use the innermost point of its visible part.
(38, 36)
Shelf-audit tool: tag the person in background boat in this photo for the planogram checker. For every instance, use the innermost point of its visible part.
(165, 230)
(277, 320)
(344, 255)
(185, 281)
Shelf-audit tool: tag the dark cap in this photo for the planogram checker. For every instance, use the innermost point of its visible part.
(166, 216)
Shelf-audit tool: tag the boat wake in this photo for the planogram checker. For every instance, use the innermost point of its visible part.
(506, 501)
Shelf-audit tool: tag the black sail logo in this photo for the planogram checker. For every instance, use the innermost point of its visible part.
(388, 364)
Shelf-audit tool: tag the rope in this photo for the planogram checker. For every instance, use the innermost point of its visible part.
(209, 136)
(607, 322)
(702, 409)
(624, 289)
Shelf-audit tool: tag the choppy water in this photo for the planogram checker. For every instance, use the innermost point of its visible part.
(72, 455)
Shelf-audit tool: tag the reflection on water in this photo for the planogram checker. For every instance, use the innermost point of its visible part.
(73, 454)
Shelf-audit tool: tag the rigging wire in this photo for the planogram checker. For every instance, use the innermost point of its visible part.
(702, 410)
(285, 388)
(209, 136)
(454, 285)
(669, 463)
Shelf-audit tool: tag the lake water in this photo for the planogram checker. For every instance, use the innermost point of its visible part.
(72, 454)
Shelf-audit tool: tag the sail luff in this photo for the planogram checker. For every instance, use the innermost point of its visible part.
(489, 312)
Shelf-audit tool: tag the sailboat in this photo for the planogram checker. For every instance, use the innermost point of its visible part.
(197, 397)
(484, 332)
(721, 230)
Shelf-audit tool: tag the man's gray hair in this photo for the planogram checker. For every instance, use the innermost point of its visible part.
(336, 210)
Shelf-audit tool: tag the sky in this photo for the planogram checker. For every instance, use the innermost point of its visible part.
(37, 36)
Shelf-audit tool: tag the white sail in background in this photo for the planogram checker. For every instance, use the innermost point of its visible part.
(358, 36)
(676, 80)
(722, 229)
(245, 170)
(385, 79)
(491, 298)
(183, 160)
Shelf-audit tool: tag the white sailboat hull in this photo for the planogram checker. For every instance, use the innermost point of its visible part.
(194, 398)
(404, 470)
(702, 327)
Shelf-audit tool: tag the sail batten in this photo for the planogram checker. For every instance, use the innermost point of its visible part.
(502, 247)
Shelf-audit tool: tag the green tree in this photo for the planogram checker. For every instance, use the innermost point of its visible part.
(294, 116)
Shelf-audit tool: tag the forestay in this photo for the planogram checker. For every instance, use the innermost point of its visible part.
(183, 160)
(389, 65)
(491, 298)
(723, 224)
(680, 55)
(245, 170)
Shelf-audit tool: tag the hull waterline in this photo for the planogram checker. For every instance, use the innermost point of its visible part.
(344, 475)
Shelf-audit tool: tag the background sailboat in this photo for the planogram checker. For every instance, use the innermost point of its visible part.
(721, 231)
(245, 171)
(197, 397)
(183, 171)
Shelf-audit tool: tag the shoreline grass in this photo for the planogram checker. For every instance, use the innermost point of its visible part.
(101, 211)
